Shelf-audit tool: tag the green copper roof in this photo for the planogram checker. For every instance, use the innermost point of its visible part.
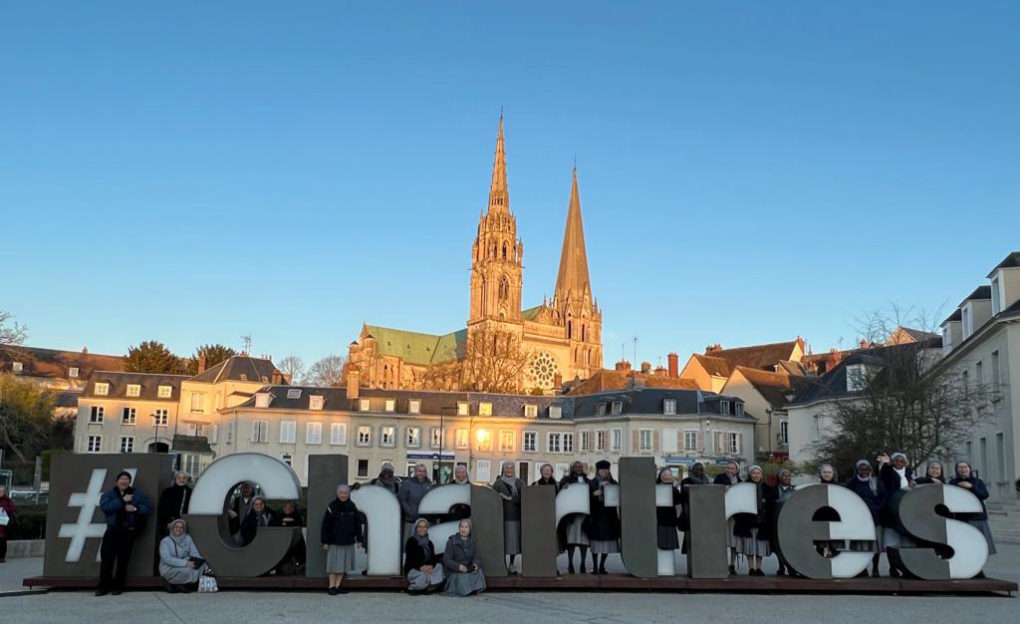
(530, 313)
(418, 348)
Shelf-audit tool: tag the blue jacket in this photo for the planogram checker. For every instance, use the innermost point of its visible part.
(874, 500)
(113, 506)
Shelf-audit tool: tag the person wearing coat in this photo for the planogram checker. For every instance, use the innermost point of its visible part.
(125, 509)
(573, 526)
(7, 510)
(754, 531)
(873, 493)
(604, 522)
(667, 519)
(422, 566)
(259, 516)
(827, 476)
(290, 517)
(509, 488)
(784, 489)
(895, 474)
(933, 475)
(340, 531)
(460, 477)
(240, 507)
(695, 476)
(387, 479)
(409, 495)
(728, 478)
(546, 477)
(966, 479)
(460, 560)
(180, 563)
(174, 501)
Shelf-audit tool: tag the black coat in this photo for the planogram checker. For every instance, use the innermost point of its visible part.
(977, 488)
(571, 479)
(512, 507)
(874, 500)
(890, 480)
(289, 520)
(341, 523)
(460, 552)
(668, 516)
(926, 480)
(603, 522)
(418, 556)
(684, 522)
(173, 504)
(550, 481)
(764, 520)
(722, 479)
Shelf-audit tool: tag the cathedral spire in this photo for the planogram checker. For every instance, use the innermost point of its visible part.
(572, 280)
(499, 198)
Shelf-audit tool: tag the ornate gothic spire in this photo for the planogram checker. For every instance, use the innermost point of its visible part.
(572, 280)
(499, 198)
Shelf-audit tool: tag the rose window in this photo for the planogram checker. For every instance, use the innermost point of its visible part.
(542, 370)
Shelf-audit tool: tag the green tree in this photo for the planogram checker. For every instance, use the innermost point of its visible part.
(152, 356)
(214, 354)
(26, 417)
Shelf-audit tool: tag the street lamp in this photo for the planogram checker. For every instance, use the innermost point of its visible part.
(156, 425)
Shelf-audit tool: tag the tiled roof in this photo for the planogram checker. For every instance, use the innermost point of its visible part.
(239, 368)
(416, 347)
(604, 380)
(149, 382)
(716, 366)
(916, 334)
(774, 387)
(54, 364)
(764, 356)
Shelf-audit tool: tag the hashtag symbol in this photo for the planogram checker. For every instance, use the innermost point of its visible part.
(84, 528)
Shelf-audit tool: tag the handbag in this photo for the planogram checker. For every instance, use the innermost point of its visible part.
(4, 518)
(207, 585)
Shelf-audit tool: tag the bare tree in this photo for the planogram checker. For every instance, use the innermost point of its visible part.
(293, 366)
(494, 361)
(11, 333)
(327, 372)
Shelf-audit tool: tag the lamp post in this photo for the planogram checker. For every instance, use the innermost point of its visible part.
(442, 438)
(156, 425)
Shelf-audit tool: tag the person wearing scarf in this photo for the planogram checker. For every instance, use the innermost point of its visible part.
(754, 531)
(604, 520)
(784, 490)
(460, 560)
(695, 476)
(240, 507)
(340, 531)
(667, 519)
(933, 474)
(422, 567)
(387, 479)
(259, 516)
(409, 495)
(173, 502)
(573, 527)
(827, 476)
(728, 478)
(509, 488)
(895, 474)
(460, 477)
(966, 479)
(180, 563)
(874, 495)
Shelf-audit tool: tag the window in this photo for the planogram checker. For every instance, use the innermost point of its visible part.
(164, 392)
(600, 409)
(161, 417)
(362, 468)
(260, 431)
(364, 405)
(17, 367)
(568, 443)
(127, 416)
(529, 442)
(979, 373)
(554, 442)
(211, 432)
(669, 407)
(996, 300)
(965, 380)
(263, 399)
(338, 434)
(484, 438)
(617, 408)
(615, 439)
(95, 444)
(506, 441)
(197, 402)
(462, 409)
(485, 409)
(315, 402)
(965, 320)
(995, 376)
(585, 441)
(388, 436)
(600, 440)
(482, 469)
(724, 407)
(717, 441)
(1000, 455)
(72, 372)
(294, 393)
(96, 414)
(101, 388)
(690, 441)
(127, 444)
(739, 408)
(134, 390)
(288, 431)
(437, 437)
(461, 438)
(555, 412)
(734, 443)
(645, 440)
(313, 433)
(784, 432)
(413, 439)
(669, 440)
(364, 435)
(391, 405)
(414, 406)
(244, 377)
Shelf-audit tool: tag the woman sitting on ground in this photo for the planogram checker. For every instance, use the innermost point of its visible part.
(463, 575)
(180, 563)
(422, 567)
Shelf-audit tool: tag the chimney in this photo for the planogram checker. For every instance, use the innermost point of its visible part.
(713, 348)
(201, 362)
(623, 365)
(674, 365)
(84, 350)
(277, 377)
(660, 371)
(353, 380)
(646, 367)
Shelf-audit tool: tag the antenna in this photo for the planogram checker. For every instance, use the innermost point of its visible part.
(247, 341)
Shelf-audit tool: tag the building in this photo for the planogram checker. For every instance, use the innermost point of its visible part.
(623, 376)
(766, 395)
(711, 370)
(64, 372)
(563, 335)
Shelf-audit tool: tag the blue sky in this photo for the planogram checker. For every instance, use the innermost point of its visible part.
(193, 172)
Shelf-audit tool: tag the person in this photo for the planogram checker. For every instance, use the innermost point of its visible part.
(7, 511)
(422, 567)
(784, 490)
(387, 479)
(695, 476)
(125, 509)
(873, 493)
(460, 560)
(173, 502)
(340, 530)
(180, 563)
(895, 475)
(604, 521)
(966, 479)
(754, 531)
(933, 474)
(546, 477)
(259, 516)
(460, 475)
(575, 536)
(827, 474)
(460, 511)
(240, 507)
(410, 493)
(667, 519)
(509, 488)
(728, 478)
(290, 517)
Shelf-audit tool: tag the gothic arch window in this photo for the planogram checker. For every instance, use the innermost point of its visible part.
(587, 356)
(504, 287)
(492, 250)
(582, 332)
(570, 329)
(504, 250)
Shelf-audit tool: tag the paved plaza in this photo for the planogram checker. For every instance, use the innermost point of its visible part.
(529, 607)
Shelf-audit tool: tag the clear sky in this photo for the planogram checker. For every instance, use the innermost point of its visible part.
(749, 171)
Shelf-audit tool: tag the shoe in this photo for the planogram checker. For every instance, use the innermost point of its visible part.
(570, 569)
(602, 569)
(733, 571)
(781, 571)
(414, 592)
(863, 574)
(894, 573)
(874, 571)
(102, 592)
(331, 591)
(583, 569)
(341, 590)
(434, 588)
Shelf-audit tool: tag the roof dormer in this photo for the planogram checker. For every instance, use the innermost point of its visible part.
(1005, 283)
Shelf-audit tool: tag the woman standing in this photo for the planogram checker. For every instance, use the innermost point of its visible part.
(7, 509)
(873, 493)
(728, 478)
(341, 529)
(546, 477)
(180, 563)
(605, 523)
(966, 479)
(827, 474)
(574, 535)
(934, 474)
(895, 475)
(695, 476)
(422, 567)
(464, 576)
(509, 488)
(753, 531)
(784, 490)
(667, 519)
(173, 502)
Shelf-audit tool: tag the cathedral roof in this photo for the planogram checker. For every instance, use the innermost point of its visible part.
(416, 347)
(572, 279)
(530, 313)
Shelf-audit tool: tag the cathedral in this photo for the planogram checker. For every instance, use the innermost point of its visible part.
(561, 338)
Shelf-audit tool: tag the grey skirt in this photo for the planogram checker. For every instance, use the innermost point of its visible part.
(732, 541)
(575, 531)
(605, 547)
(876, 546)
(982, 525)
(418, 580)
(667, 537)
(512, 537)
(339, 559)
(464, 583)
(752, 546)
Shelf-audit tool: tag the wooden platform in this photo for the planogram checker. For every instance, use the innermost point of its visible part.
(590, 582)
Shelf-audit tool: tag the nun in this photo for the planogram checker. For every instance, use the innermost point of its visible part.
(422, 567)
(574, 525)
(174, 501)
(730, 477)
(180, 563)
(546, 477)
(667, 519)
(895, 475)
(966, 479)
(259, 516)
(784, 490)
(873, 493)
(695, 476)
(509, 488)
(340, 530)
(753, 531)
(460, 559)
(934, 475)
(605, 522)
(827, 474)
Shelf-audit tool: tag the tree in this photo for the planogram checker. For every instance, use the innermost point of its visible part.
(494, 361)
(327, 372)
(26, 417)
(153, 357)
(293, 366)
(11, 333)
(214, 354)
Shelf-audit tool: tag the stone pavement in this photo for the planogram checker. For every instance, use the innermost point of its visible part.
(532, 607)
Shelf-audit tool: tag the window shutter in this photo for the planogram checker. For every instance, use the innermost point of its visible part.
(655, 440)
(635, 440)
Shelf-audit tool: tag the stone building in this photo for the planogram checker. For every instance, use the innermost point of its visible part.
(562, 336)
